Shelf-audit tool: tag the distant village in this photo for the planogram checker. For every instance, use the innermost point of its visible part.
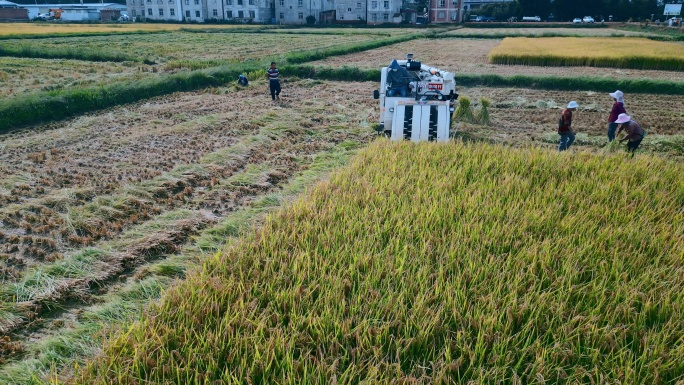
(371, 12)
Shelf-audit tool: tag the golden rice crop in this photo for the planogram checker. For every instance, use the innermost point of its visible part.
(437, 263)
(597, 52)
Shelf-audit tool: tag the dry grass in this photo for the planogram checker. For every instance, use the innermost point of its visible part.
(12, 29)
(19, 75)
(596, 52)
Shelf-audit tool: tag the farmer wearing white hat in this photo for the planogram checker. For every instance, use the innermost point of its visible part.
(618, 108)
(634, 134)
(567, 135)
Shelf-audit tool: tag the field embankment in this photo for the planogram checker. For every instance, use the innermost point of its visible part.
(634, 53)
(437, 263)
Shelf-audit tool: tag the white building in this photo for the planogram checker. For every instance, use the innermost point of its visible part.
(384, 11)
(73, 12)
(296, 11)
(258, 11)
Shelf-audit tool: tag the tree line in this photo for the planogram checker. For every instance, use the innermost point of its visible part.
(566, 10)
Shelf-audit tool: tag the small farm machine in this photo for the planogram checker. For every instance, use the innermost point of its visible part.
(416, 101)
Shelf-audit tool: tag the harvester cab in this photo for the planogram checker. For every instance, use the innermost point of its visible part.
(416, 101)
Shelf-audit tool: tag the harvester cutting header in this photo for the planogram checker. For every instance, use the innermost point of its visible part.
(416, 101)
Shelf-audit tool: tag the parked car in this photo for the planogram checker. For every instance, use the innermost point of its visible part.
(576, 20)
(485, 19)
(588, 19)
(531, 18)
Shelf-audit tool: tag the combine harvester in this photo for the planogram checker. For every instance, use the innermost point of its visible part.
(424, 111)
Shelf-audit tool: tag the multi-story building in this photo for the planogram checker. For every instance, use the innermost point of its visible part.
(296, 11)
(258, 11)
(445, 11)
(384, 11)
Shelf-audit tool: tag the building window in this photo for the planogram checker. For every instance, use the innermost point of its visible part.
(196, 2)
(374, 17)
(187, 2)
(197, 14)
(348, 9)
(160, 1)
(301, 15)
(252, 14)
(386, 4)
(251, 2)
(133, 13)
(142, 2)
(358, 5)
(171, 1)
(385, 16)
(161, 12)
(241, 14)
(300, 3)
(229, 2)
(441, 15)
(215, 13)
(172, 12)
(453, 16)
(229, 14)
(282, 3)
(442, 3)
(282, 15)
(187, 14)
(374, 4)
(149, 11)
(239, 2)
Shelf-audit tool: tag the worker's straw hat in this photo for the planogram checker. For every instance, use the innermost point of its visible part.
(623, 118)
(573, 104)
(617, 95)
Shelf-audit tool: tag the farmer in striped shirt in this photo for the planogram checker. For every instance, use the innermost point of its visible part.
(273, 82)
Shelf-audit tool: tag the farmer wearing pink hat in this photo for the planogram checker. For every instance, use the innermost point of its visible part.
(567, 134)
(634, 134)
(618, 108)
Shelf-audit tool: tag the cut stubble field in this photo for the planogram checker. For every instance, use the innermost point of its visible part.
(20, 75)
(90, 204)
(471, 56)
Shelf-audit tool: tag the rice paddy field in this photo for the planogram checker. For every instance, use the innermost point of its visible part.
(471, 56)
(436, 264)
(595, 52)
(200, 233)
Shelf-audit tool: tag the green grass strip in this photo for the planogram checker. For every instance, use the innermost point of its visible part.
(528, 25)
(640, 86)
(319, 54)
(61, 52)
(634, 62)
(75, 34)
(55, 105)
(643, 86)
